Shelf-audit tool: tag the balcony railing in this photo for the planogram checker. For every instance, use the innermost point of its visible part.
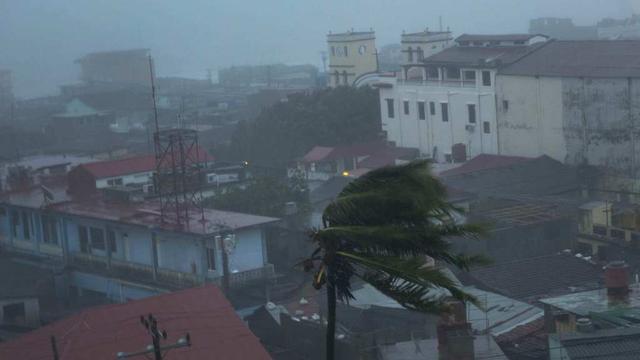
(173, 278)
(614, 234)
(439, 83)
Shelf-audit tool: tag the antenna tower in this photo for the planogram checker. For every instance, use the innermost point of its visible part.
(178, 178)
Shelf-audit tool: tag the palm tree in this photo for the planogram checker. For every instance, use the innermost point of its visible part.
(382, 228)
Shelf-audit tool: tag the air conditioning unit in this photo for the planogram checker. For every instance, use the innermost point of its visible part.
(147, 188)
(470, 128)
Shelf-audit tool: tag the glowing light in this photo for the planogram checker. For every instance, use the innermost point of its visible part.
(345, 173)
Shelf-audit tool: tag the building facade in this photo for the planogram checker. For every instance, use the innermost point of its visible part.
(352, 55)
(568, 101)
(122, 251)
(445, 104)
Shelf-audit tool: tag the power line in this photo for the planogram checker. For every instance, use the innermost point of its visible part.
(151, 324)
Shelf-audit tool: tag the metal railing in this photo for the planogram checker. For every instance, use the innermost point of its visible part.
(143, 272)
(439, 83)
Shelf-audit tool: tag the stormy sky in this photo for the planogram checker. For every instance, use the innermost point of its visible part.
(40, 38)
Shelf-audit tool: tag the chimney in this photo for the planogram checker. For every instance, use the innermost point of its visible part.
(584, 325)
(616, 278)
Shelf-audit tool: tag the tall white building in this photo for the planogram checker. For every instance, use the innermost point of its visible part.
(447, 100)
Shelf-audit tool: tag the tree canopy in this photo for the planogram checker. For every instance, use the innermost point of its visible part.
(288, 130)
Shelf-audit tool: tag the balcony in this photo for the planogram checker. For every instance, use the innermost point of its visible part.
(438, 83)
(613, 234)
(165, 277)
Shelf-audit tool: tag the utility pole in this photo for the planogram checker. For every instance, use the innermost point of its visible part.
(54, 348)
(151, 324)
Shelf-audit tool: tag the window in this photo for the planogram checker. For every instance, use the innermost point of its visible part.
(432, 108)
(444, 108)
(406, 107)
(390, 109)
(487, 127)
(111, 238)
(470, 75)
(505, 105)
(519, 42)
(486, 78)
(410, 53)
(346, 53)
(464, 43)
(114, 182)
(49, 230)
(471, 109)
(211, 259)
(420, 54)
(83, 236)
(333, 51)
(97, 239)
(345, 78)
(422, 115)
(14, 313)
(26, 229)
(453, 73)
(432, 73)
(337, 77)
(15, 222)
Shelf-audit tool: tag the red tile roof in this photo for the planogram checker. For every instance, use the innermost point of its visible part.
(485, 162)
(322, 153)
(133, 165)
(101, 332)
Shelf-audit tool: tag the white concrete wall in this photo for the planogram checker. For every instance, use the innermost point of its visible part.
(250, 251)
(138, 178)
(533, 123)
(409, 131)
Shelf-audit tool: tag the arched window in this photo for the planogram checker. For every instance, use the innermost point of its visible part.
(336, 78)
(346, 53)
(420, 53)
(410, 52)
(345, 77)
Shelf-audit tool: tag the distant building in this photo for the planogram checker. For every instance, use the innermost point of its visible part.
(352, 55)
(562, 29)
(623, 29)
(80, 123)
(6, 94)
(102, 332)
(444, 105)
(121, 67)
(269, 76)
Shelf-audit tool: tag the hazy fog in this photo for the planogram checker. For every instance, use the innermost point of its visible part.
(41, 38)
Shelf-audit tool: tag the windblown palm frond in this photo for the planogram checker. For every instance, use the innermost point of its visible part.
(382, 228)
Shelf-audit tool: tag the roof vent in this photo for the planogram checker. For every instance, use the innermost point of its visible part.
(584, 325)
(616, 278)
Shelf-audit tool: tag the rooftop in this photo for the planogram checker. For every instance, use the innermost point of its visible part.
(145, 214)
(502, 175)
(588, 58)
(351, 36)
(479, 56)
(114, 54)
(132, 165)
(611, 344)
(536, 277)
(484, 348)
(101, 332)
(496, 37)
(598, 303)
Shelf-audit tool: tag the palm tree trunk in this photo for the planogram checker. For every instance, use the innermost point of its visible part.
(331, 316)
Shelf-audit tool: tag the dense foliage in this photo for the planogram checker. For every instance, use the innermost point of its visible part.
(266, 196)
(381, 229)
(289, 129)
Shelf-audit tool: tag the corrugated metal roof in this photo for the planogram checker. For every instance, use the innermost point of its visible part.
(101, 332)
(479, 56)
(485, 162)
(590, 58)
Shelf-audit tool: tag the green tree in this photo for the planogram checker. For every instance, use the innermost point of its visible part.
(381, 228)
(289, 129)
(265, 196)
